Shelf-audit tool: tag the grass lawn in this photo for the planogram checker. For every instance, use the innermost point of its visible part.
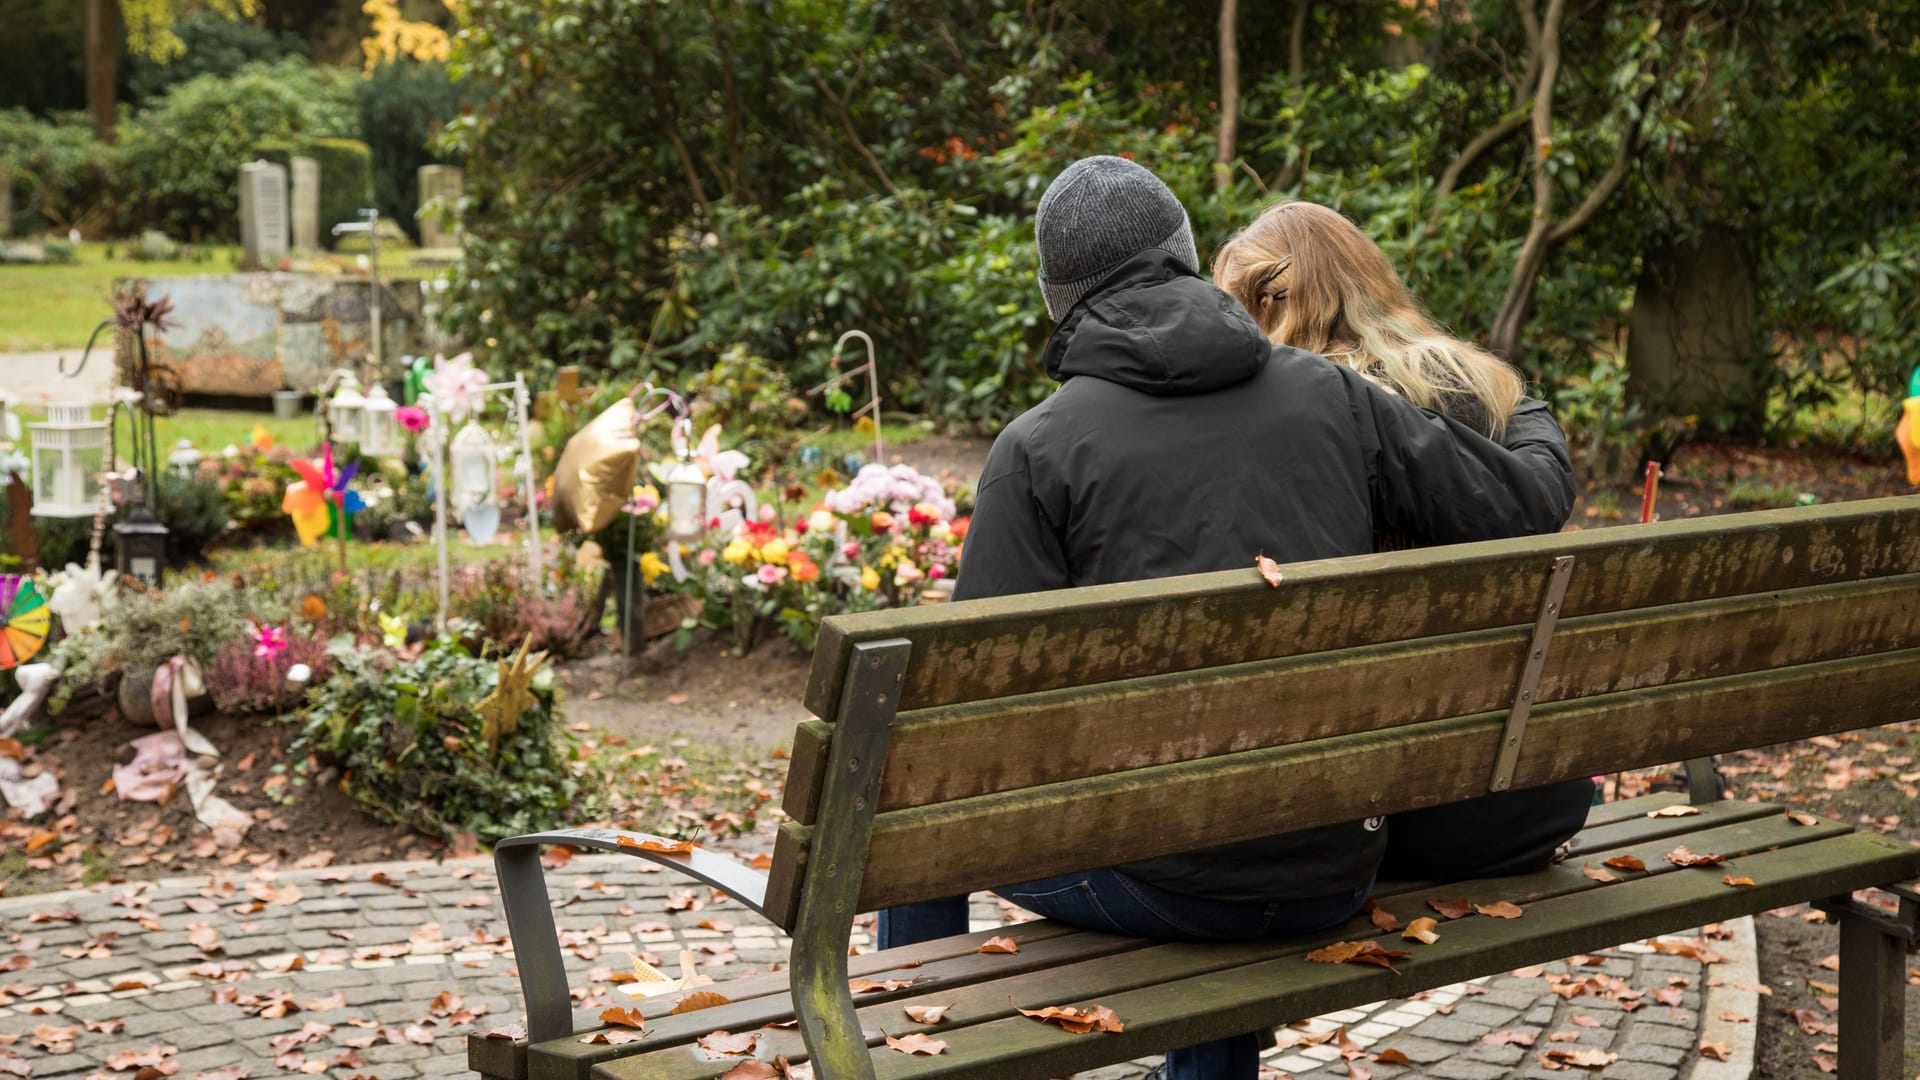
(211, 429)
(56, 307)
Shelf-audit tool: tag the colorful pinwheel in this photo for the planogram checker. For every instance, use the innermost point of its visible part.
(319, 501)
(24, 620)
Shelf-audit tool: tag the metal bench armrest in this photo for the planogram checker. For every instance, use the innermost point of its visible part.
(536, 944)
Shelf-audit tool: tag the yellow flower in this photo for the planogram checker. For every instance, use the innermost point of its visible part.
(737, 551)
(651, 567)
(774, 551)
(869, 578)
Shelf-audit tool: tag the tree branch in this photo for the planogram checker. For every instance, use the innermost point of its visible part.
(1481, 143)
(1297, 41)
(1504, 339)
(1610, 180)
(846, 122)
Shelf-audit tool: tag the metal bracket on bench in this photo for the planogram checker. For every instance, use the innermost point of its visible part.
(1903, 923)
(1516, 729)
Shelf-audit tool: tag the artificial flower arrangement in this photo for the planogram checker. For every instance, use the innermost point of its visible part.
(880, 541)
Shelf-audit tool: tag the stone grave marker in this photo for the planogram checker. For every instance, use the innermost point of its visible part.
(306, 204)
(445, 183)
(263, 213)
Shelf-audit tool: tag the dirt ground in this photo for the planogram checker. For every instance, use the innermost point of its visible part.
(706, 692)
(148, 840)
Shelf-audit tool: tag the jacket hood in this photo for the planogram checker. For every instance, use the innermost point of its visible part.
(1155, 326)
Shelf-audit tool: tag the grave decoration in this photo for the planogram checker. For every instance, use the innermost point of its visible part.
(464, 466)
(320, 502)
(25, 620)
(1907, 432)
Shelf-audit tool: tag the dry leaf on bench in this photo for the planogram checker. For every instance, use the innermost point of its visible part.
(623, 1017)
(927, 1014)
(1499, 909)
(1077, 1021)
(1451, 909)
(1269, 570)
(658, 846)
(1421, 930)
(1731, 880)
(1596, 874)
(870, 986)
(1802, 818)
(917, 1044)
(1000, 945)
(1382, 918)
(752, 1070)
(727, 1044)
(612, 1037)
(1358, 952)
(510, 1031)
(1681, 810)
(699, 999)
(1625, 862)
(1680, 856)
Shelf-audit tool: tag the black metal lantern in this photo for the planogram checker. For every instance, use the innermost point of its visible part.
(140, 544)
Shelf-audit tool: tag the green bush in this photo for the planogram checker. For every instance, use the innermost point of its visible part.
(346, 180)
(414, 751)
(193, 508)
(402, 106)
(195, 195)
(62, 177)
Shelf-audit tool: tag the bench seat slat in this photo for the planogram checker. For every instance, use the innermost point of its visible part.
(1190, 1010)
(1021, 644)
(937, 850)
(1725, 828)
(1011, 743)
(1043, 944)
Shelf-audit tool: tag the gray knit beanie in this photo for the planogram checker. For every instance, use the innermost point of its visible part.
(1096, 215)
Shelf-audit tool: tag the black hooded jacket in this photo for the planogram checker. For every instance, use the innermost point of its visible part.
(1181, 442)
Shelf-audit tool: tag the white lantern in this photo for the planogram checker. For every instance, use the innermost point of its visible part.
(346, 411)
(686, 502)
(68, 454)
(378, 435)
(471, 458)
(185, 458)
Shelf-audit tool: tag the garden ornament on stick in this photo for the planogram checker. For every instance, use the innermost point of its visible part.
(838, 399)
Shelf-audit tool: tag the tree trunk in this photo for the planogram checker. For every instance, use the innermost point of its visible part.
(1517, 305)
(1297, 41)
(1229, 140)
(103, 52)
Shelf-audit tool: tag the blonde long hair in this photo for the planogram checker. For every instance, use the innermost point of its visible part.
(1314, 281)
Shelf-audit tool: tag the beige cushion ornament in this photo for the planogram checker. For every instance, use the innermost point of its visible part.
(596, 472)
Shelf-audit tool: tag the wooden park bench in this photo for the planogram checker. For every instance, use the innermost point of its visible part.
(961, 746)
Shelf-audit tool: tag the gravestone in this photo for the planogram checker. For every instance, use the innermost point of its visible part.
(306, 204)
(444, 183)
(263, 213)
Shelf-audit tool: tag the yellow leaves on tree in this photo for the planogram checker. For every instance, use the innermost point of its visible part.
(394, 36)
(149, 24)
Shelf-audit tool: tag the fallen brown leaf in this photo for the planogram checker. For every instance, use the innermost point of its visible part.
(1731, 880)
(1507, 1038)
(1269, 570)
(1420, 930)
(871, 986)
(1357, 952)
(1680, 810)
(1718, 1051)
(1584, 1059)
(917, 1044)
(1386, 920)
(1391, 1056)
(1625, 862)
(1596, 874)
(1077, 1021)
(927, 1014)
(1499, 909)
(623, 1017)
(727, 1044)
(699, 999)
(1000, 945)
(1451, 909)
(1680, 856)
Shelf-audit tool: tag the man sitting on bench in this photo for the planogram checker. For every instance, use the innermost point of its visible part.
(1182, 442)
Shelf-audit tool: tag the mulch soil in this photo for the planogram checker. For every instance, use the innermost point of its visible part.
(98, 836)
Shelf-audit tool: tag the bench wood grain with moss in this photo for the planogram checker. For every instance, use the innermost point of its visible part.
(965, 745)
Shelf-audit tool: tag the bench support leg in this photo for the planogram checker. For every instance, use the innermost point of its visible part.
(1873, 994)
(837, 863)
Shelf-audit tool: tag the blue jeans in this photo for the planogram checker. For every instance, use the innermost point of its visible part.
(1114, 903)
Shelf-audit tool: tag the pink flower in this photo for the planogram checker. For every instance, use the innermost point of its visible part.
(412, 417)
(852, 550)
(770, 574)
(707, 555)
(268, 641)
(936, 571)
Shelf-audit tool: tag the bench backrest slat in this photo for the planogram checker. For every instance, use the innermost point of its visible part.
(1044, 641)
(1076, 729)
